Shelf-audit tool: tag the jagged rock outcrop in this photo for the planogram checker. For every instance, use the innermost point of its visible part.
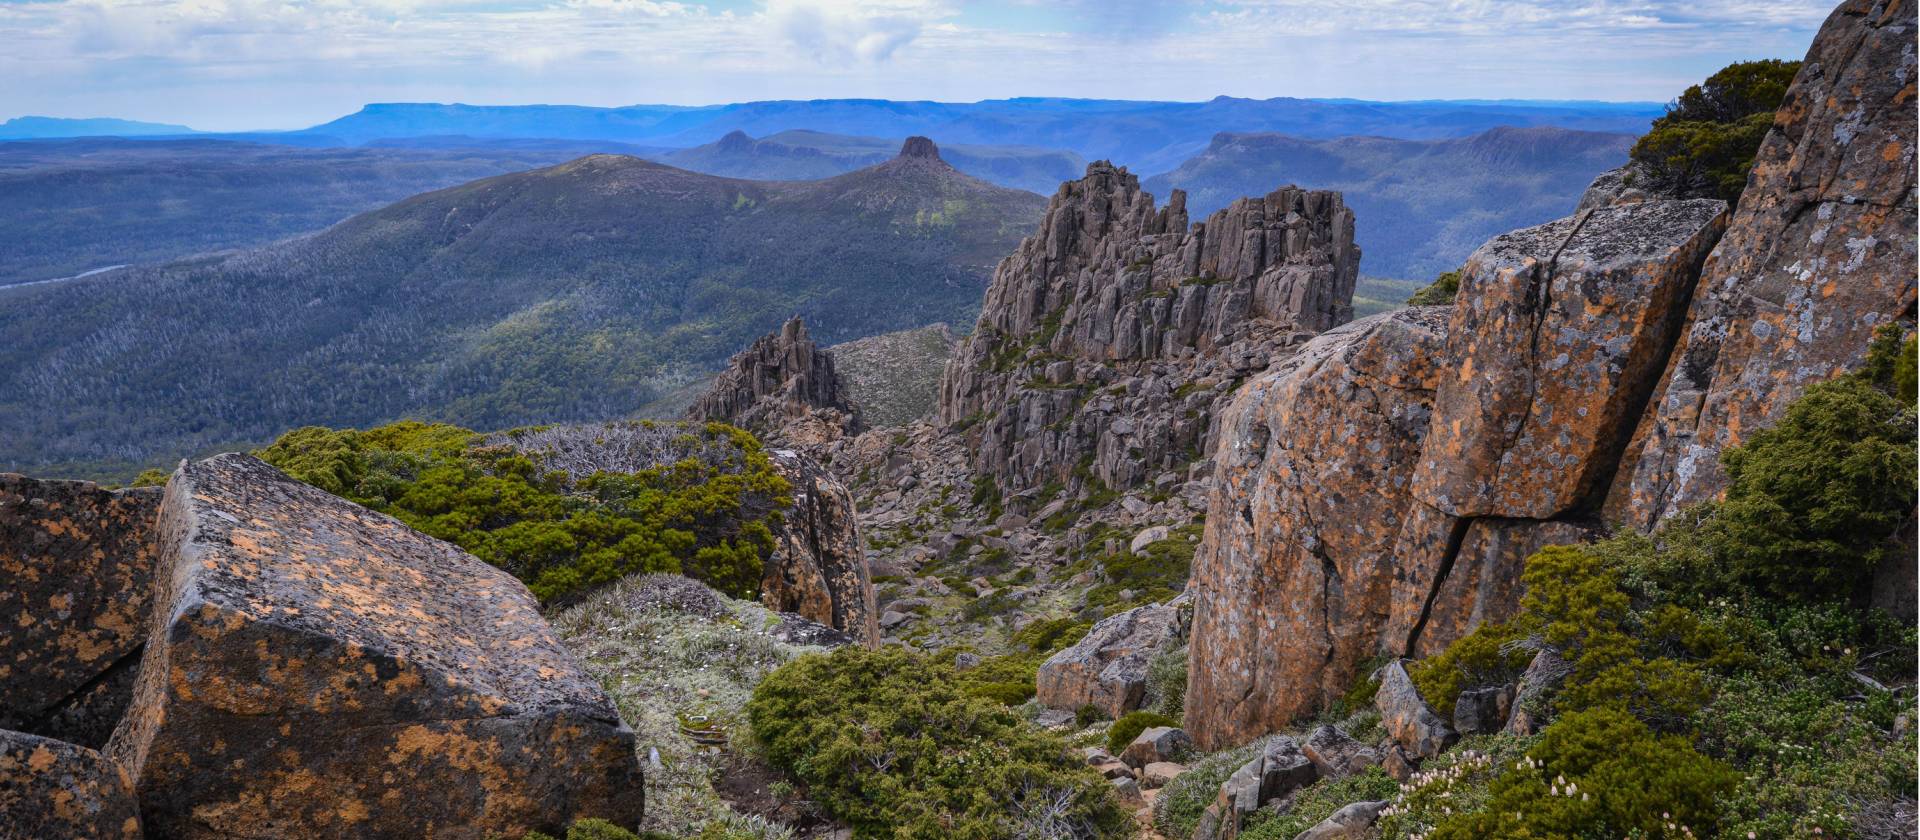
(1378, 492)
(55, 790)
(1109, 336)
(77, 567)
(784, 389)
(1820, 253)
(1107, 669)
(318, 670)
(818, 568)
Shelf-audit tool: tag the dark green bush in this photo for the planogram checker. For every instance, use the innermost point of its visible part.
(1812, 502)
(1475, 660)
(1440, 292)
(708, 515)
(1705, 144)
(889, 742)
(1129, 727)
(1601, 773)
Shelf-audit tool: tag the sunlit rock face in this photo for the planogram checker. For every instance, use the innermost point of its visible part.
(318, 670)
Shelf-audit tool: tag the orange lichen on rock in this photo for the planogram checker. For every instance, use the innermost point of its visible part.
(330, 673)
(53, 789)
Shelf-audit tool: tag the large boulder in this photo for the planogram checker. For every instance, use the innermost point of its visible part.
(54, 790)
(77, 562)
(1820, 252)
(818, 568)
(1335, 754)
(1409, 721)
(318, 670)
(1351, 821)
(1157, 744)
(1378, 492)
(1293, 575)
(1107, 668)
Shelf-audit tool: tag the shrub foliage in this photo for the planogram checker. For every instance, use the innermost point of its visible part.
(1705, 144)
(891, 743)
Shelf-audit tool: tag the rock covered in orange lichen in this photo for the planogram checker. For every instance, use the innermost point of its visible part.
(1820, 253)
(77, 565)
(818, 569)
(318, 670)
(51, 790)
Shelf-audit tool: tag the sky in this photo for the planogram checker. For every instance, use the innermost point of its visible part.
(228, 65)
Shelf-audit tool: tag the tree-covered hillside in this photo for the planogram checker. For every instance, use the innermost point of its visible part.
(569, 293)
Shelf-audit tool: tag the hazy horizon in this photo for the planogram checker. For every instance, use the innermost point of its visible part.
(239, 65)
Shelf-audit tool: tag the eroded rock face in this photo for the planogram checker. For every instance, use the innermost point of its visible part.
(783, 388)
(1292, 581)
(1406, 716)
(1379, 492)
(1820, 252)
(1115, 329)
(1107, 669)
(818, 568)
(319, 670)
(77, 565)
(54, 790)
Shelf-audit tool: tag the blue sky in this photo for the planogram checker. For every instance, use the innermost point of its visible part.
(242, 64)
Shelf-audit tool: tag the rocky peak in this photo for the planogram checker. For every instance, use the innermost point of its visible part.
(784, 388)
(1115, 327)
(737, 141)
(919, 147)
(1378, 492)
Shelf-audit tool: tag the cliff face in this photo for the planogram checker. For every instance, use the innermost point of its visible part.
(783, 388)
(1115, 329)
(1820, 253)
(1378, 492)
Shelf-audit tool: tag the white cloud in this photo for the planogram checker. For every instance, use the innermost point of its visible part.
(845, 31)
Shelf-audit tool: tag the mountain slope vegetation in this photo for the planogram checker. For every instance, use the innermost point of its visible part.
(77, 205)
(575, 292)
(1420, 206)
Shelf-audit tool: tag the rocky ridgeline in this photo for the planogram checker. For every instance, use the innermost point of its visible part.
(1376, 493)
(784, 389)
(300, 666)
(1108, 336)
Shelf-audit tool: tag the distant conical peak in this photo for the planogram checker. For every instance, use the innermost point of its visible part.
(736, 139)
(920, 147)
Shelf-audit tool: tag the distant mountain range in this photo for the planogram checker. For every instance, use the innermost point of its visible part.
(802, 155)
(28, 128)
(1420, 206)
(1143, 135)
(571, 292)
(1147, 136)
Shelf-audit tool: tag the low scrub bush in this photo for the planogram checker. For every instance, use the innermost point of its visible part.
(565, 509)
(889, 742)
(1129, 727)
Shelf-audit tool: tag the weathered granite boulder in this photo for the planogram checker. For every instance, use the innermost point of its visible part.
(1107, 669)
(1284, 769)
(318, 670)
(1378, 492)
(1557, 337)
(1279, 770)
(54, 790)
(1116, 329)
(1350, 821)
(1407, 718)
(1820, 252)
(1159, 773)
(783, 388)
(1479, 711)
(1157, 744)
(818, 567)
(77, 565)
(1335, 754)
(1527, 711)
(1292, 578)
